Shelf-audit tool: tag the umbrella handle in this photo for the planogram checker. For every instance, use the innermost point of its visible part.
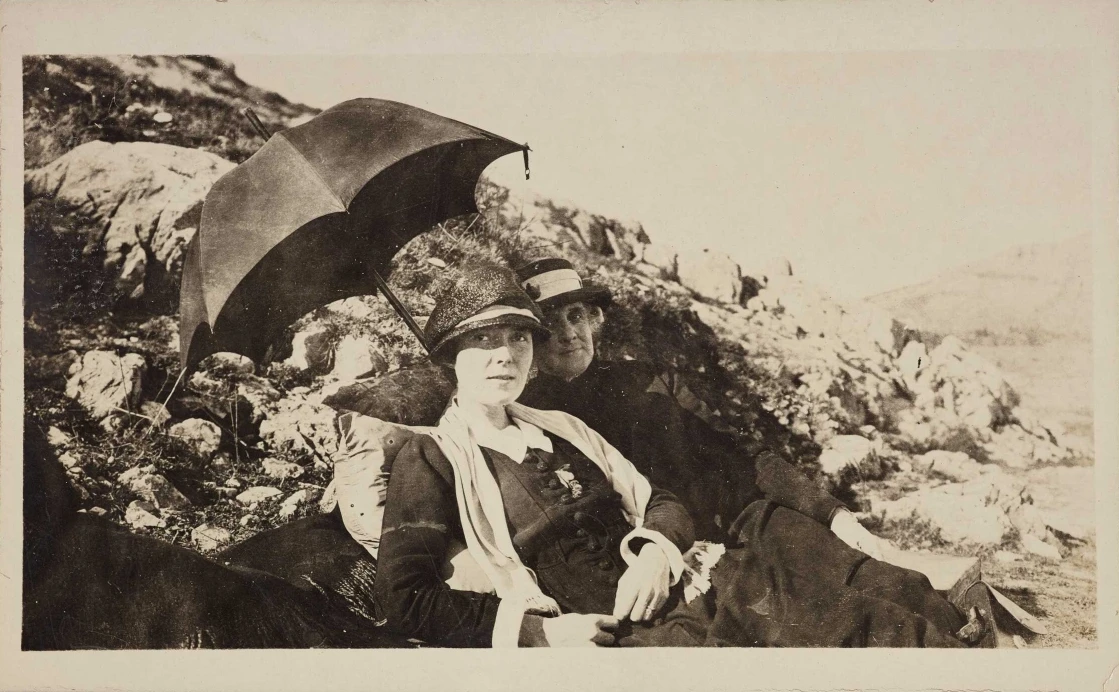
(525, 152)
(400, 308)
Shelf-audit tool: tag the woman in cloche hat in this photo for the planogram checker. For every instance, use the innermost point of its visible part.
(577, 548)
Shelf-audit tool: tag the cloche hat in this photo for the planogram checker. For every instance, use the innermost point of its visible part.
(484, 296)
(554, 281)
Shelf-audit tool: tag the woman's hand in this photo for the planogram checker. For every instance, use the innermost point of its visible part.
(643, 589)
(850, 531)
(576, 629)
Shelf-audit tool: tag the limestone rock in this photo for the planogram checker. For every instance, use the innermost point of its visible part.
(202, 436)
(276, 468)
(301, 425)
(143, 202)
(293, 502)
(663, 257)
(107, 385)
(157, 413)
(209, 538)
(712, 275)
(845, 451)
(312, 350)
(256, 494)
(56, 438)
(355, 357)
(955, 466)
(141, 514)
(154, 488)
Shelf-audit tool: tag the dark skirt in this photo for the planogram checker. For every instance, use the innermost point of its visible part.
(792, 583)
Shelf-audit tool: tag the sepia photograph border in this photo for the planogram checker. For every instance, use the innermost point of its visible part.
(321, 27)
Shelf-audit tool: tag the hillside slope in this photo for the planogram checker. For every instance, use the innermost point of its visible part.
(1029, 311)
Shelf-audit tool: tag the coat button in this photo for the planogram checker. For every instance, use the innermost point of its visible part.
(542, 465)
(581, 533)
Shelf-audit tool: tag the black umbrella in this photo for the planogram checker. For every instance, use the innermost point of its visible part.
(317, 214)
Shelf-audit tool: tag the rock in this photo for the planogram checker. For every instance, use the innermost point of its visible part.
(1013, 446)
(293, 502)
(256, 494)
(141, 514)
(107, 385)
(209, 538)
(984, 511)
(163, 117)
(69, 460)
(98, 511)
(142, 200)
(224, 362)
(248, 520)
(663, 257)
(355, 357)
(844, 451)
(154, 488)
(1036, 546)
(299, 425)
(436, 262)
(232, 483)
(1006, 557)
(312, 350)
(276, 468)
(56, 438)
(955, 466)
(156, 413)
(711, 275)
(202, 436)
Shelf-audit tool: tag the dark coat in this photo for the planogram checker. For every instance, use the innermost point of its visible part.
(701, 462)
(572, 544)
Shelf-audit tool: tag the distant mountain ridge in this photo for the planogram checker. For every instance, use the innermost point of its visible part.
(1026, 295)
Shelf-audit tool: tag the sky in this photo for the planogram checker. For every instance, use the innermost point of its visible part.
(867, 170)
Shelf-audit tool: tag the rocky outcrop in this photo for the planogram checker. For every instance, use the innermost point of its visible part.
(141, 203)
(202, 436)
(107, 385)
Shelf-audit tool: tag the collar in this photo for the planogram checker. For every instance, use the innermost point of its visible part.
(515, 440)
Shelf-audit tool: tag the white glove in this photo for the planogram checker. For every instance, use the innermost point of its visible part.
(850, 531)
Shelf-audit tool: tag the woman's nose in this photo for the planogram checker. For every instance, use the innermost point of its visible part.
(566, 331)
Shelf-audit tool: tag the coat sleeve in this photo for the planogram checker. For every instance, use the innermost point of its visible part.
(421, 518)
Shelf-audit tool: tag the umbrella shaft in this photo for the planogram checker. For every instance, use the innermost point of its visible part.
(400, 308)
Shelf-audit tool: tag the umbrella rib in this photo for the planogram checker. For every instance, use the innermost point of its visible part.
(318, 176)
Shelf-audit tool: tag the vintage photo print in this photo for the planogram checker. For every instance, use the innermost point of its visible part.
(774, 343)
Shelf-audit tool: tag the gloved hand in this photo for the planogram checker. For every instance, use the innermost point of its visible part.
(850, 531)
(643, 588)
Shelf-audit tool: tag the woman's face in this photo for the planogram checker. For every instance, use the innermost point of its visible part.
(492, 364)
(570, 350)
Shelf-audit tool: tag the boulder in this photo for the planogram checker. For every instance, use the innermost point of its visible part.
(256, 494)
(312, 350)
(984, 511)
(711, 275)
(209, 538)
(301, 426)
(663, 257)
(955, 466)
(356, 357)
(275, 468)
(57, 439)
(141, 514)
(844, 451)
(107, 385)
(293, 502)
(154, 488)
(143, 202)
(202, 436)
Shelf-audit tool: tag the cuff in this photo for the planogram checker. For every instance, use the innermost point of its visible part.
(675, 559)
(507, 626)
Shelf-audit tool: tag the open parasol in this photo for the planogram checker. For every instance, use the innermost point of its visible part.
(317, 214)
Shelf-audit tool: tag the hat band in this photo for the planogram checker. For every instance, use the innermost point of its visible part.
(554, 283)
(498, 311)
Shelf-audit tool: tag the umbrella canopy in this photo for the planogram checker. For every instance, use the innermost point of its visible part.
(316, 212)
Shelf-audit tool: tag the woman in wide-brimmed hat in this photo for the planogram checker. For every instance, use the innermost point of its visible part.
(574, 545)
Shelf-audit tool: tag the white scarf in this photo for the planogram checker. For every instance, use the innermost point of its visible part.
(482, 511)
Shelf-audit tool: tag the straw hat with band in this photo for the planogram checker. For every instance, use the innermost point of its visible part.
(482, 297)
(554, 282)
